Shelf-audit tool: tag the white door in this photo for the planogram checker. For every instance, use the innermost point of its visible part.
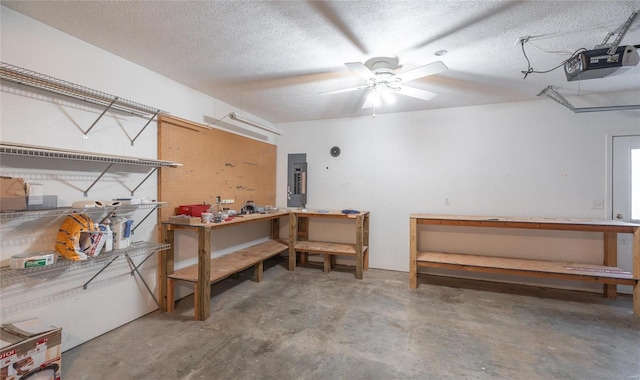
(625, 194)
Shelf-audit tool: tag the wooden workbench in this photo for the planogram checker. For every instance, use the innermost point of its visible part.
(299, 239)
(202, 274)
(608, 273)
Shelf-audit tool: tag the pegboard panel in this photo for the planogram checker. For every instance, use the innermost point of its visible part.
(214, 163)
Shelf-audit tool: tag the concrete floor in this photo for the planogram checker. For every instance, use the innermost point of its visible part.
(311, 325)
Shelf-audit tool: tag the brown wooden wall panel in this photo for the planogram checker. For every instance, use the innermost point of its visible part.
(214, 162)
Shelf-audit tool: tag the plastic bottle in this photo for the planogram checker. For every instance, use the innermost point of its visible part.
(108, 247)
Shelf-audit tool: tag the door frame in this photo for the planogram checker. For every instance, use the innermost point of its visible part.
(608, 207)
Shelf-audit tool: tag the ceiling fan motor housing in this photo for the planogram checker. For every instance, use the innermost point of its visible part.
(377, 63)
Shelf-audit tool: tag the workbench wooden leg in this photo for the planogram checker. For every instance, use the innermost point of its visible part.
(258, 270)
(636, 271)
(202, 297)
(171, 296)
(293, 237)
(359, 246)
(636, 299)
(366, 259)
(196, 305)
(304, 258)
(359, 267)
(165, 265)
(413, 246)
(365, 241)
(610, 258)
(333, 262)
(327, 263)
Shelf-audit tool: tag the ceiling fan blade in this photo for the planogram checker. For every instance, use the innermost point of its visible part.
(360, 69)
(343, 90)
(416, 93)
(423, 71)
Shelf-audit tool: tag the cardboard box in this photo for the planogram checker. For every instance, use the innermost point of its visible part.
(13, 187)
(30, 349)
(13, 194)
(13, 204)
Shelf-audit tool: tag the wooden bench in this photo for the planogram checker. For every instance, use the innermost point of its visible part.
(225, 266)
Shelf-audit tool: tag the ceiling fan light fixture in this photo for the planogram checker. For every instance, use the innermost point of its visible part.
(387, 95)
(374, 98)
(383, 82)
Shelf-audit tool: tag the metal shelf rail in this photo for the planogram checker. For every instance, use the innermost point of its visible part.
(37, 214)
(58, 86)
(65, 276)
(45, 152)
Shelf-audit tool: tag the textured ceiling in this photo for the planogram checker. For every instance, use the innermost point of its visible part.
(272, 58)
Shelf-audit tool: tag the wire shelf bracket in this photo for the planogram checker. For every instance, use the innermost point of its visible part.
(134, 270)
(133, 230)
(149, 250)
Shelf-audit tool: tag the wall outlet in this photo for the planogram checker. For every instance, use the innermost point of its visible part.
(447, 202)
(597, 203)
(227, 201)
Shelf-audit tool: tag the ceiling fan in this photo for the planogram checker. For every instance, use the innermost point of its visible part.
(383, 82)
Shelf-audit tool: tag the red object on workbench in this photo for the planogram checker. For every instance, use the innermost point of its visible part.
(192, 210)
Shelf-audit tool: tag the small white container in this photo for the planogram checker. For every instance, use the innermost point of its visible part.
(33, 260)
(205, 217)
(108, 246)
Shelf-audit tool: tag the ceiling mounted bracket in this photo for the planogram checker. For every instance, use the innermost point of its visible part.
(622, 31)
(554, 95)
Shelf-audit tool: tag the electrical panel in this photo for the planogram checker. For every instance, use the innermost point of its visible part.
(297, 180)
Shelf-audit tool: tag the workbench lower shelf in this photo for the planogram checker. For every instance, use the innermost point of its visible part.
(328, 248)
(527, 267)
(331, 250)
(227, 265)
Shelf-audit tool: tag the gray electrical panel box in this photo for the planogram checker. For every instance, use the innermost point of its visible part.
(297, 180)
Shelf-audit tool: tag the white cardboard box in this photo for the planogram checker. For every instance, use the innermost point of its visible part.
(35, 194)
(29, 348)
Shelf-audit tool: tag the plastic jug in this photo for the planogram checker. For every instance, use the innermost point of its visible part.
(121, 228)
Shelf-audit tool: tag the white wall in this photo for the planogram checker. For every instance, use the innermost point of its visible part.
(35, 117)
(534, 159)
